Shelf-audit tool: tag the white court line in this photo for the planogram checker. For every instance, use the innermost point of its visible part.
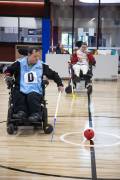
(62, 138)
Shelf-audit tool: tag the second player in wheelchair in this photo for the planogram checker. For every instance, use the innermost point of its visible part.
(80, 70)
(27, 104)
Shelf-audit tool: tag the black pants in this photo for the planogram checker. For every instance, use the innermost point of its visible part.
(29, 103)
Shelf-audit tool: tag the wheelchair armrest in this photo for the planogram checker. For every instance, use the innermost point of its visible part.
(9, 81)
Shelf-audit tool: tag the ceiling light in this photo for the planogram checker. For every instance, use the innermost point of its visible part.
(91, 20)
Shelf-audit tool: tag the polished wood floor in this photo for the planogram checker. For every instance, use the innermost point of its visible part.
(30, 155)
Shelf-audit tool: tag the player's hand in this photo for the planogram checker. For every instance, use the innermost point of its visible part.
(61, 89)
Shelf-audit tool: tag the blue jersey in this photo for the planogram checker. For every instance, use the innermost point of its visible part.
(30, 77)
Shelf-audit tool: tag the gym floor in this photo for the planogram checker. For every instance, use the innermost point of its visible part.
(31, 155)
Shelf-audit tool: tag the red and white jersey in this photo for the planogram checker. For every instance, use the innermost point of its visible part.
(82, 57)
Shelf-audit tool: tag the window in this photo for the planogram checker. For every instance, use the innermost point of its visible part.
(30, 30)
(86, 22)
(20, 29)
(8, 29)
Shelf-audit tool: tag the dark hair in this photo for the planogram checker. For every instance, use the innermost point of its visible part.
(30, 50)
(84, 43)
(23, 51)
(78, 44)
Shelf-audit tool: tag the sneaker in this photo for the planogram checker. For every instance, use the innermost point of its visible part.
(20, 115)
(35, 117)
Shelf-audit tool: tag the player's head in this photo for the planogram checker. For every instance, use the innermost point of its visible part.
(32, 56)
(84, 47)
(23, 51)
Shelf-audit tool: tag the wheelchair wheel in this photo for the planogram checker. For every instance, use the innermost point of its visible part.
(68, 89)
(48, 129)
(45, 117)
(89, 89)
(9, 116)
(11, 129)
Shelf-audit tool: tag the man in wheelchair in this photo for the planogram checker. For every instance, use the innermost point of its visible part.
(81, 67)
(28, 74)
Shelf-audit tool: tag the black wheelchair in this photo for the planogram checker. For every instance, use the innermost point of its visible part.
(13, 124)
(82, 82)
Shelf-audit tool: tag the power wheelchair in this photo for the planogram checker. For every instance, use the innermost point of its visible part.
(13, 124)
(81, 83)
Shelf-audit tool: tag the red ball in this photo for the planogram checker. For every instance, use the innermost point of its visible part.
(89, 133)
